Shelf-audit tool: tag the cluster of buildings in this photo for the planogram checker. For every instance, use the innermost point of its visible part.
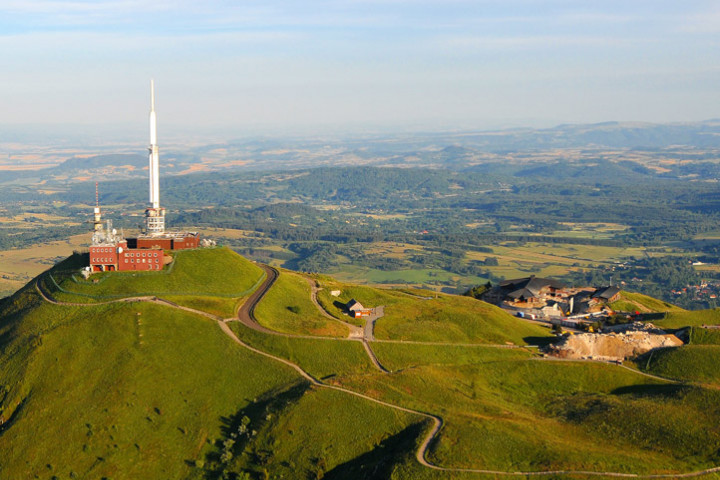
(702, 291)
(546, 298)
(111, 251)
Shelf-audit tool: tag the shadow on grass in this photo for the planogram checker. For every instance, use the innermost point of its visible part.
(5, 424)
(237, 430)
(652, 316)
(669, 390)
(74, 262)
(540, 341)
(379, 463)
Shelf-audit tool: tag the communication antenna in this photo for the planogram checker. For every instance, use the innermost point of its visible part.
(96, 211)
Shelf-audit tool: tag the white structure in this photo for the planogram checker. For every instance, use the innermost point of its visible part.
(154, 214)
(96, 211)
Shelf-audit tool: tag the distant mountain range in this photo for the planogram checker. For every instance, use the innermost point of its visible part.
(608, 134)
(622, 147)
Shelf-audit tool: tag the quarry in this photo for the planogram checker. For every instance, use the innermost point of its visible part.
(636, 340)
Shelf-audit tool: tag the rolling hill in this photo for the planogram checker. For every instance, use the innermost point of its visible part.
(161, 376)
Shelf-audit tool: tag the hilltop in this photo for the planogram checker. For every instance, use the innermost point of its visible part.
(222, 367)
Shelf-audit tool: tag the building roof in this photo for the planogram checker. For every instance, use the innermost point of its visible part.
(606, 293)
(168, 235)
(532, 284)
(353, 305)
(521, 293)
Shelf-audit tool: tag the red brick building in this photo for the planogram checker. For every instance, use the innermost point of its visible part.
(110, 258)
(168, 241)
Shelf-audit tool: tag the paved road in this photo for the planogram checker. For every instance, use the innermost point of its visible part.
(369, 331)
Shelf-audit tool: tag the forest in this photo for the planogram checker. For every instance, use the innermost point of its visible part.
(327, 219)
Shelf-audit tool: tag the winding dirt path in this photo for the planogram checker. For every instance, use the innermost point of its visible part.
(245, 315)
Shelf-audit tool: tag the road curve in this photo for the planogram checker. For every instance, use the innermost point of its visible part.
(421, 453)
(246, 316)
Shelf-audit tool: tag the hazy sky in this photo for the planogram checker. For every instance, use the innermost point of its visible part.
(271, 64)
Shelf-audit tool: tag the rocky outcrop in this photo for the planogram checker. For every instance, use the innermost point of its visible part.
(611, 346)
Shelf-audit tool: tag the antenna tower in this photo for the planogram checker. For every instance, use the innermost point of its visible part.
(97, 221)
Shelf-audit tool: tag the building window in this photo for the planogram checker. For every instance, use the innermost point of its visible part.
(126, 260)
(143, 254)
(157, 260)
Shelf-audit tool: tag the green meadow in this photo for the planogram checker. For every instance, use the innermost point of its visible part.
(633, 301)
(287, 308)
(439, 318)
(140, 390)
(218, 272)
(694, 363)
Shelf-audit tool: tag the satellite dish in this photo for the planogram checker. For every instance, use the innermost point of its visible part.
(120, 250)
(114, 232)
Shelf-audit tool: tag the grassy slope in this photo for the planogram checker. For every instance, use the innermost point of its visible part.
(287, 308)
(131, 410)
(145, 396)
(443, 319)
(633, 301)
(105, 396)
(321, 358)
(516, 413)
(690, 318)
(307, 449)
(200, 272)
(220, 306)
(704, 336)
(697, 363)
(398, 357)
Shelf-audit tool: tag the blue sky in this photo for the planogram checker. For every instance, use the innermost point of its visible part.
(275, 66)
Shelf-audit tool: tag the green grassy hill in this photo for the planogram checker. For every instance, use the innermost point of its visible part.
(633, 301)
(218, 272)
(690, 318)
(287, 308)
(695, 363)
(110, 391)
(138, 390)
(144, 390)
(436, 318)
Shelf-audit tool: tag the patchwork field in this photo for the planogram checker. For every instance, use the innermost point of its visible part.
(18, 266)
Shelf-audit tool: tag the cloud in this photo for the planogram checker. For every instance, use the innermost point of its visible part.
(700, 23)
(467, 43)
